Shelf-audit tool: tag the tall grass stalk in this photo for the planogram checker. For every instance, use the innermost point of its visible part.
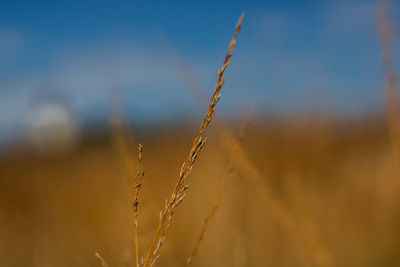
(179, 190)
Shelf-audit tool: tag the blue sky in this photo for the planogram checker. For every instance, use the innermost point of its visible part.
(291, 56)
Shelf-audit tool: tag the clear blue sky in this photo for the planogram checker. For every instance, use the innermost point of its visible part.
(291, 56)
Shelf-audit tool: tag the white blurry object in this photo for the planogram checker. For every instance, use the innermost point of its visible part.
(53, 128)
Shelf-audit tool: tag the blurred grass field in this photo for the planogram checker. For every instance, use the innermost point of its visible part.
(337, 179)
(299, 184)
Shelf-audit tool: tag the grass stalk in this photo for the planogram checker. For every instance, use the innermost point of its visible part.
(217, 201)
(138, 185)
(198, 142)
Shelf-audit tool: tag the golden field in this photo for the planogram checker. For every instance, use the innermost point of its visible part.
(305, 191)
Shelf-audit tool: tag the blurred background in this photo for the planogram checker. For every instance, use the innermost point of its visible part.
(316, 182)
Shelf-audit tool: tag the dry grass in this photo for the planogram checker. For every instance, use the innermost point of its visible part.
(138, 185)
(228, 139)
(217, 201)
(307, 194)
(179, 190)
(55, 212)
(320, 253)
(226, 136)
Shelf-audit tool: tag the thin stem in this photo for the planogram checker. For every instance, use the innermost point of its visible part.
(138, 184)
(198, 143)
(227, 173)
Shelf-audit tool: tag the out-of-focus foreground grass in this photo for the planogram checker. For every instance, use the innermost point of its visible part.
(337, 180)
